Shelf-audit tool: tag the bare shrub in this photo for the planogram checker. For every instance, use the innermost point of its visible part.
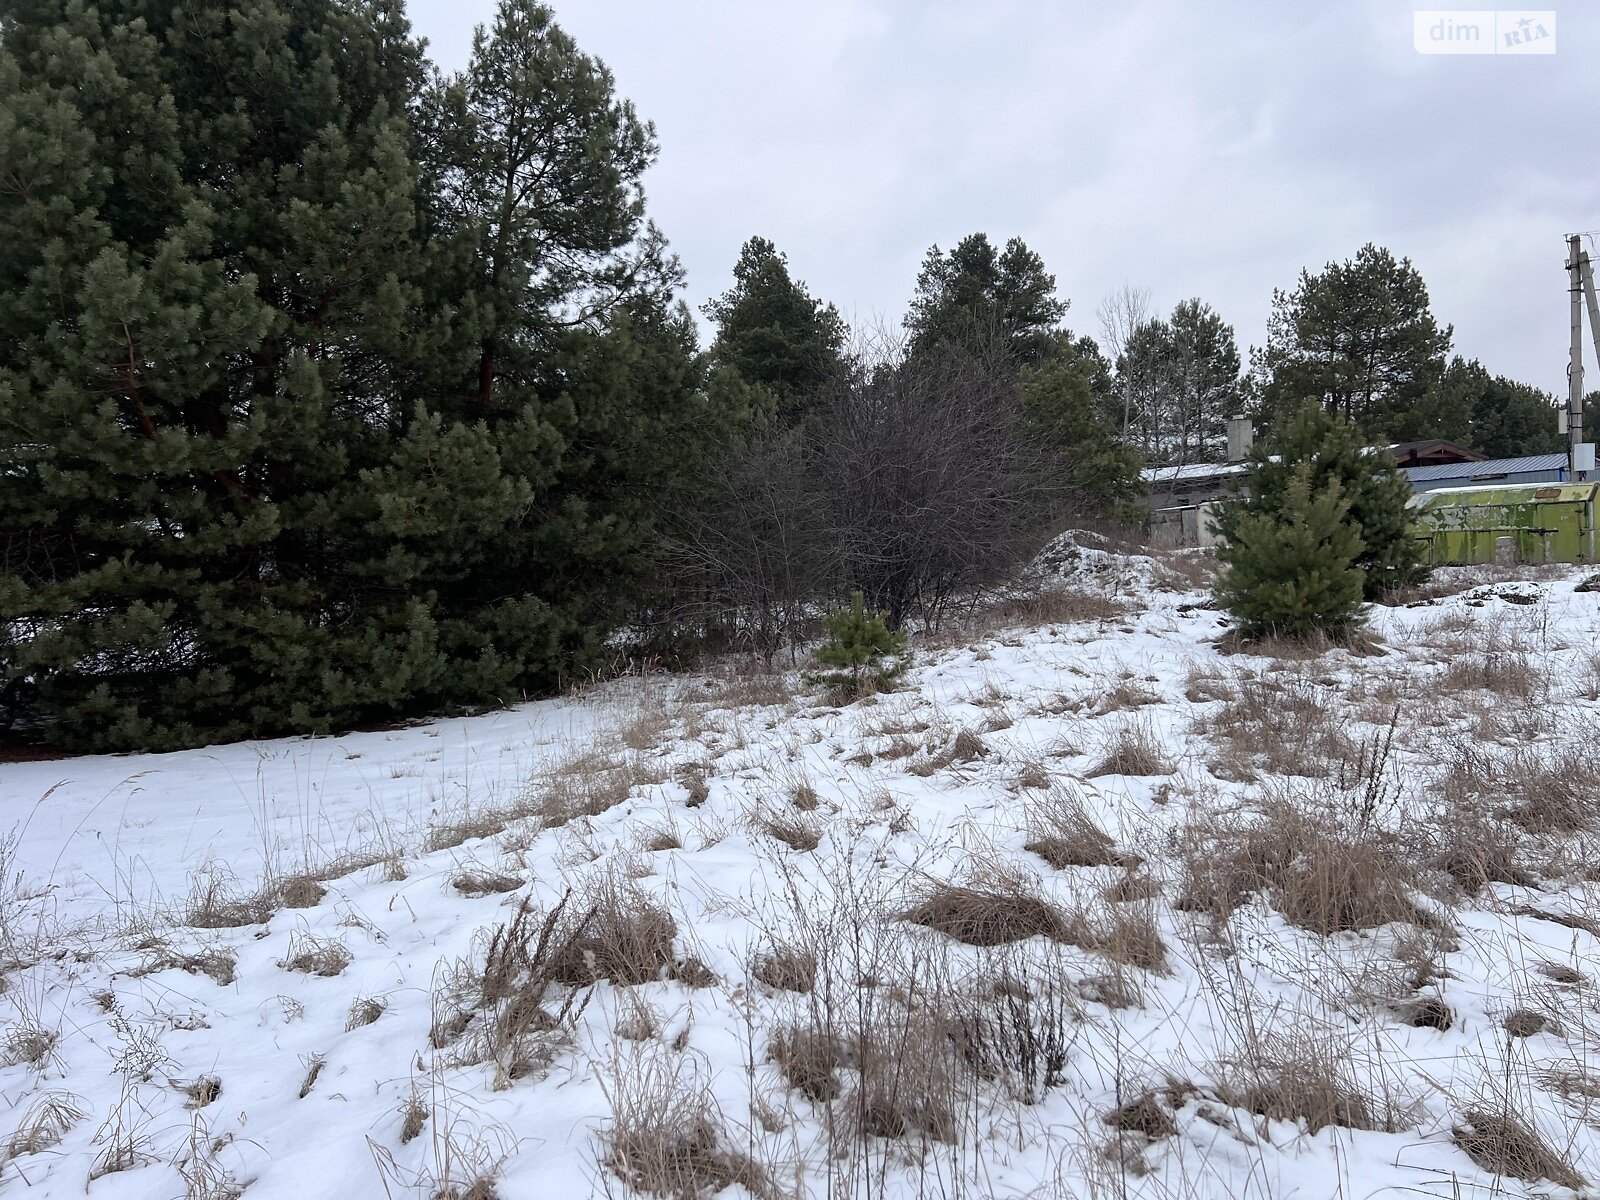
(1020, 1031)
(665, 1137)
(315, 956)
(1508, 1146)
(1132, 750)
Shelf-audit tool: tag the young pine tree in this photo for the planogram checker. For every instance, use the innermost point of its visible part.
(1293, 572)
(861, 646)
(1334, 451)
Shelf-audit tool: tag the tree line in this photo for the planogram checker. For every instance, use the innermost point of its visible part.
(335, 388)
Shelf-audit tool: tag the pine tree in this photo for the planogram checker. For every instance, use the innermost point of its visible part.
(975, 293)
(773, 332)
(1293, 572)
(301, 425)
(1375, 494)
(860, 643)
(1359, 338)
(1067, 407)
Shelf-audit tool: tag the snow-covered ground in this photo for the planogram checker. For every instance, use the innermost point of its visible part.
(274, 966)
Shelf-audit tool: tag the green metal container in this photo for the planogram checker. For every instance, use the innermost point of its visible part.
(1528, 522)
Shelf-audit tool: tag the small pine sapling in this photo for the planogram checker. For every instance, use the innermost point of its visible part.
(863, 651)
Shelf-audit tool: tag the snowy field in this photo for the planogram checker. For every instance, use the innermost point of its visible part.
(1087, 908)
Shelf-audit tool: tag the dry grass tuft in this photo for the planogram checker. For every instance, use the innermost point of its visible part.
(28, 1044)
(809, 1060)
(993, 913)
(1145, 1115)
(612, 931)
(1055, 605)
(793, 829)
(1555, 790)
(1133, 751)
(476, 880)
(695, 779)
(1306, 1079)
(326, 957)
(314, 1064)
(1524, 1022)
(215, 902)
(364, 1010)
(966, 746)
(203, 1091)
(300, 891)
(1127, 694)
(786, 968)
(1475, 850)
(1320, 874)
(1281, 723)
(665, 1137)
(1131, 935)
(1061, 831)
(44, 1124)
(1507, 1146)
(413, 1116)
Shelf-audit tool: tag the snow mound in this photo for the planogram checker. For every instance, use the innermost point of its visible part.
(1085, 558)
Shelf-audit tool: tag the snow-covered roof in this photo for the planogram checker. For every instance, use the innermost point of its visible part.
(1190, 471)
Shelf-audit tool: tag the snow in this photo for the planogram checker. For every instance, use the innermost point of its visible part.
(106, 854)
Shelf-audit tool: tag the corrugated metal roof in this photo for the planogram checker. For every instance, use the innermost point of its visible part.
(1490, 467)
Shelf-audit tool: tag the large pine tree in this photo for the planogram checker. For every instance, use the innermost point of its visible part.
(252, 481)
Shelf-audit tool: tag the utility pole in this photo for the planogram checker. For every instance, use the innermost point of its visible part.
(1575, 356)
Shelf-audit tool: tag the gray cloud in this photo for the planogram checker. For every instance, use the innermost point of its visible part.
(1209, 150)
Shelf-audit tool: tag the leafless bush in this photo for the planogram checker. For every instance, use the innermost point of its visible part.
(1508, 1146)
(1021, 1031)
(933, 489)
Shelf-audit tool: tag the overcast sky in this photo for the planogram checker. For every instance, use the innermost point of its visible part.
(1196, 149)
